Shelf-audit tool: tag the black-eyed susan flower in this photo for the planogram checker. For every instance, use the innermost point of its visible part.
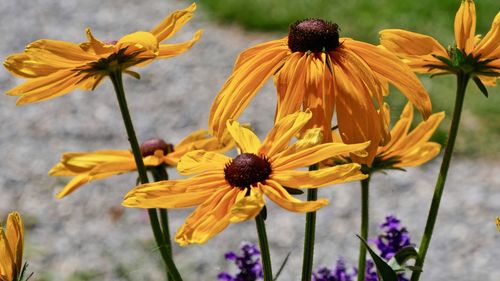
(89, 166)
(471, 54)
(314, 68)
(54, 68)
(498, 223)
(407, 148)
(11, 248)
(229, 190)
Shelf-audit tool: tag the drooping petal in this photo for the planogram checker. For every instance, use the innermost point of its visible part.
(319, 178)
(79, 180)
(283, 131)
(210, 218)
(251, 52)
(173, 23)
(199, 161)
(400, 129)
(46, 87)
(465, 26)
(24, 66)
(290, 84)
(419, 155)
(395, 71)
(414, 49)
(172, 50)
(316, 154)
(245, 139)
(242, 85)
(247, 207)
(488, 47)
(58, 53)
(176, 193)
(73, 163)
(280, 196)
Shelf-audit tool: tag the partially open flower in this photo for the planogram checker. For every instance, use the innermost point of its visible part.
(11, 248)
(54, 68)
(89, 166)
(230, 190)
(314, 68)
(478, 57)
(407, 148)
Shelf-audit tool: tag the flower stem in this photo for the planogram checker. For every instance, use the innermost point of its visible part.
(364, 227)
(116, 78)
(310, 230)
(462, 80)
(264, 248)
(160, 174)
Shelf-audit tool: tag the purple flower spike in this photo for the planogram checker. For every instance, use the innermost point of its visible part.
(248, 263)
(339, 273)
(394, 238)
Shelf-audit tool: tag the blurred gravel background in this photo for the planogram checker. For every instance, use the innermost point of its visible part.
(88, 236)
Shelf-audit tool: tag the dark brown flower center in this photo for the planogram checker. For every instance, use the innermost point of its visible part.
(247, 169)
(150, 146)
(313, 35)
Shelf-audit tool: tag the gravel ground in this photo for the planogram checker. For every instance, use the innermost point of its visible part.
(88, 236)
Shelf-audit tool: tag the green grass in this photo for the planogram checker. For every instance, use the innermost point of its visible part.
(362, 20)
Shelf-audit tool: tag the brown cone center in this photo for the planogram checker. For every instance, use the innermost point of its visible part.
(247, 169)
(314, 35)
(149, 147)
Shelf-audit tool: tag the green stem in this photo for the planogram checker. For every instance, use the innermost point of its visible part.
(264, 248)
(364, 227)
(310, 230)
(116, 78)
(160, 174)
(462, 80)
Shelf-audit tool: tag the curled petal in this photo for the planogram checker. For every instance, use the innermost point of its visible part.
(173, 23)
(245, 139)
(172, 50)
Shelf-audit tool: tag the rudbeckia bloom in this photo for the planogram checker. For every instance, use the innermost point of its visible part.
(314, 68)
(407, 148)
(89, 166)
(230, 190)
(11, 248)
(472, 54)
(54, 68)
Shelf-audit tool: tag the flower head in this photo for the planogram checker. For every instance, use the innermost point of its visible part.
(479, 57)
(248, 263)
(89, 166)
(407, 148)
(314, 68)
(229, 190)
(54, 68)
(339, 273)
(11, 248)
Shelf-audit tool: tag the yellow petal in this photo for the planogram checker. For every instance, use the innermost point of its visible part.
(172, 50)
(139, 39)
(80, 180)
(283, 131)
(171, 24)
(247, 207)
(319, 178)
(245, 139)
(395, 71)
(419, 155)
(315, 154)
(95, 46)
(310, 138)
(488, 47)
(76, 162)
(498, 223)
(280, 196)
(400, 129)
(7, 260)
(465, 26)
(251, 52)
(54, 52)
(24, 66)
(242, 85)
(198, 161)
(210, 218)
(15, 238)
(175, 193)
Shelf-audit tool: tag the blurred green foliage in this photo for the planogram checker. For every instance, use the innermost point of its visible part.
(362, 20)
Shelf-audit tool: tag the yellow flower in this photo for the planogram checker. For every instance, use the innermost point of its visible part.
(407, 148)
(11, 248)
(89, 166)
(498, 223)
(231, 190)
(472, 54)
(54, 68)
(315, 69)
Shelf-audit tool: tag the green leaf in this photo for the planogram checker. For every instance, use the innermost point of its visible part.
(282, 266)
(481, 86)
(385, 272)
(445, 60)
(133, 74)
(398, 262)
